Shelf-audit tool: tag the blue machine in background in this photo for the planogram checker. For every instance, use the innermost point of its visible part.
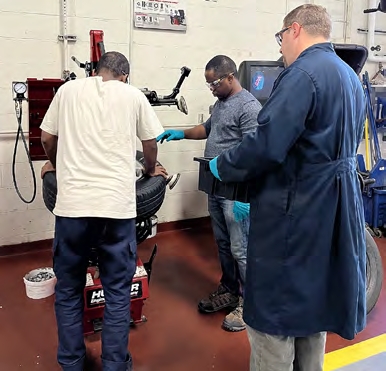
(374, 168)
(374, 195)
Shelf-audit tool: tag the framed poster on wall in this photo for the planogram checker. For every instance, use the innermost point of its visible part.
(160, 14)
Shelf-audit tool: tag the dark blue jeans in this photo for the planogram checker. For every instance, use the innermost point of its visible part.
(115, 240)
(232, 239)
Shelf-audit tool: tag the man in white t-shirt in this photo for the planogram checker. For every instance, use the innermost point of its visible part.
(89, 135)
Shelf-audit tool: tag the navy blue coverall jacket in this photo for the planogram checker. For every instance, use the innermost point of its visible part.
(306, 265)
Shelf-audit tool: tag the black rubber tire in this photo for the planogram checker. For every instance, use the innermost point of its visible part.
(374, 273)
(150, 192)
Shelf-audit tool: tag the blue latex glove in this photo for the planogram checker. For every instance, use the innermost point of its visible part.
(240, 210)
(213, 168)
(171, 135)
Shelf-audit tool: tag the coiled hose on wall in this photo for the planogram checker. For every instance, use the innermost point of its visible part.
(20, 133)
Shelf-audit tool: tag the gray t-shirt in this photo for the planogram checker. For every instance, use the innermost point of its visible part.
(230, 120)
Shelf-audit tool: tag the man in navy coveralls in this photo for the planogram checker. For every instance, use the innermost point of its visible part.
(306, 264)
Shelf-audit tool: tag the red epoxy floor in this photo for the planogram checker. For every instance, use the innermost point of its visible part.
(175, 338)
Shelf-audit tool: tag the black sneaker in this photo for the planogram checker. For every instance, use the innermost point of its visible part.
(217, 300)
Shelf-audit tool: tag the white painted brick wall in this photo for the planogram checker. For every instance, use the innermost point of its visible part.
(359, 20)
(28, 40)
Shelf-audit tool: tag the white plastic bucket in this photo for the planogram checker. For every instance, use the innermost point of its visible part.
(42, 289)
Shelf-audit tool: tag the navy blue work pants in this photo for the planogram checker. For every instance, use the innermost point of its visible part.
(115, 240)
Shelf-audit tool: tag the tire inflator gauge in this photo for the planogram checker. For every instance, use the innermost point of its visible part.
(19, 91)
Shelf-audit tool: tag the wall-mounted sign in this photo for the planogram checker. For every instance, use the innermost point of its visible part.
(160, 14)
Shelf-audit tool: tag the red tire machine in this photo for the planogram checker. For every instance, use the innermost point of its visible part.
(94, 300)
(40, 94)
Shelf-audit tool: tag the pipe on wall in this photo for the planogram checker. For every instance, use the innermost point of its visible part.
(131, 35)
(373, 57)
(65, 34)
(347, 21)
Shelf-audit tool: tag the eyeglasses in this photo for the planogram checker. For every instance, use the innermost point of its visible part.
(279, 35)
(214, 84)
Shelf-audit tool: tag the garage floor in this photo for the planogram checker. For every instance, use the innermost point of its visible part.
(176, 336)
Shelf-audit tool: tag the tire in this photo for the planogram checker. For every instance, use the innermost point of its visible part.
(374, 273)
(150, 192)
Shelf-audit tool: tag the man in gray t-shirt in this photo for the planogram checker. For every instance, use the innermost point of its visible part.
(234, 115)
(231, 119)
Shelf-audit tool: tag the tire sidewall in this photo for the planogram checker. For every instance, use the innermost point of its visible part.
(150, 192)
(374, 272)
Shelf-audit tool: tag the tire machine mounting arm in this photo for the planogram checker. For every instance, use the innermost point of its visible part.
(97, 49)
(41, 92)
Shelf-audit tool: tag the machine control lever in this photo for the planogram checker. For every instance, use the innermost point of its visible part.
(86, 66)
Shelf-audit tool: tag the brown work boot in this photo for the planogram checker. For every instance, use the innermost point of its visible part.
(234, 320)
(218, 300)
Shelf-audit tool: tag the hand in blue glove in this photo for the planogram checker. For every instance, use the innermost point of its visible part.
(171, 135)
(213, 168)
(240, 210)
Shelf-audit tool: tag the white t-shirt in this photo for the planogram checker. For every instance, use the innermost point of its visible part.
(97, 124)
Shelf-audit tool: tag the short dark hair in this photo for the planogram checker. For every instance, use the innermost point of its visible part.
(222, 65)
(313, 18)
(114, 62)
